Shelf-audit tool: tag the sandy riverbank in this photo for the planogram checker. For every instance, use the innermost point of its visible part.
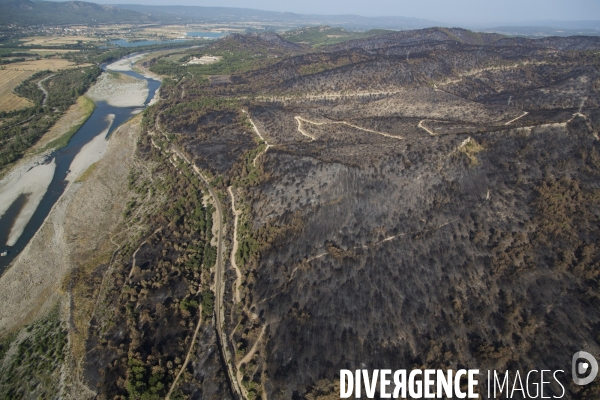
(75, 232)
(34, 177)
(134, 64)
(31, 178)
(75, 116)
(32, 174)
(119, 90)
(90, 153)
(124, 64)
(34, 276)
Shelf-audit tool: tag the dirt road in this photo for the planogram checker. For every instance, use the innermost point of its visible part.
(219, 283)
(260, 136)
(299, 119)
(43, 89)
(236, 289)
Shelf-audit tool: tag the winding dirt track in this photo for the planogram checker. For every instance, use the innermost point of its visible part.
(43, 89)
(260, 136)
(299, 119)
(519, 117)
(325, 96)
(236, 286)
(187, 357)
(426, 129)
(308, 135)
(247, 358)
(219, 284)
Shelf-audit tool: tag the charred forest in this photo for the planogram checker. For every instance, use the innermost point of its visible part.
(418, 199)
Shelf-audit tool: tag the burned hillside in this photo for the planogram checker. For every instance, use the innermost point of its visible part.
(423, 199)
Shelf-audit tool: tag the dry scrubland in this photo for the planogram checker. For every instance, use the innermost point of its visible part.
(10, 79)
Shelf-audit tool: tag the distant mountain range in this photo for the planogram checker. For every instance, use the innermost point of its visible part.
(27, 13)
(227, 14)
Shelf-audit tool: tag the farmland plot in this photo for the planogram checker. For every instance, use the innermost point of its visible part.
(9, 79)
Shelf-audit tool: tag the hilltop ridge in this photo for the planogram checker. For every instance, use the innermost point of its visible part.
(257, 41)
(27, 12)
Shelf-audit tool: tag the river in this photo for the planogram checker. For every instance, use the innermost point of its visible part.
(94, 126)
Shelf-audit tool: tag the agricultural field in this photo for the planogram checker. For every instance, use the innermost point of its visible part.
(113, 27)
(53, 64)
(171, 54)
(175, 57)
(56, 40)
(169, 31)
(9, 79)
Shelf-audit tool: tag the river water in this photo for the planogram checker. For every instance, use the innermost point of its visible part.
(95, 125)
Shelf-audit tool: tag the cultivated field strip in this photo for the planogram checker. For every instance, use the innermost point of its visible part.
(9, 80)
(52, 64)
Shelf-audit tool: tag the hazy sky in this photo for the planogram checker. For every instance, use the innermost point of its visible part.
(452, 11)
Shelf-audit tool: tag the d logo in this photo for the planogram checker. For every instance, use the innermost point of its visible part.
(580, 368)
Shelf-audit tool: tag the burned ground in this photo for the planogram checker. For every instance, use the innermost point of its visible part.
(438, 211)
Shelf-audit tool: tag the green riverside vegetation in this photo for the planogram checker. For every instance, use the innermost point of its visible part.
(30, 360)
(23, 128)
(89, 107)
